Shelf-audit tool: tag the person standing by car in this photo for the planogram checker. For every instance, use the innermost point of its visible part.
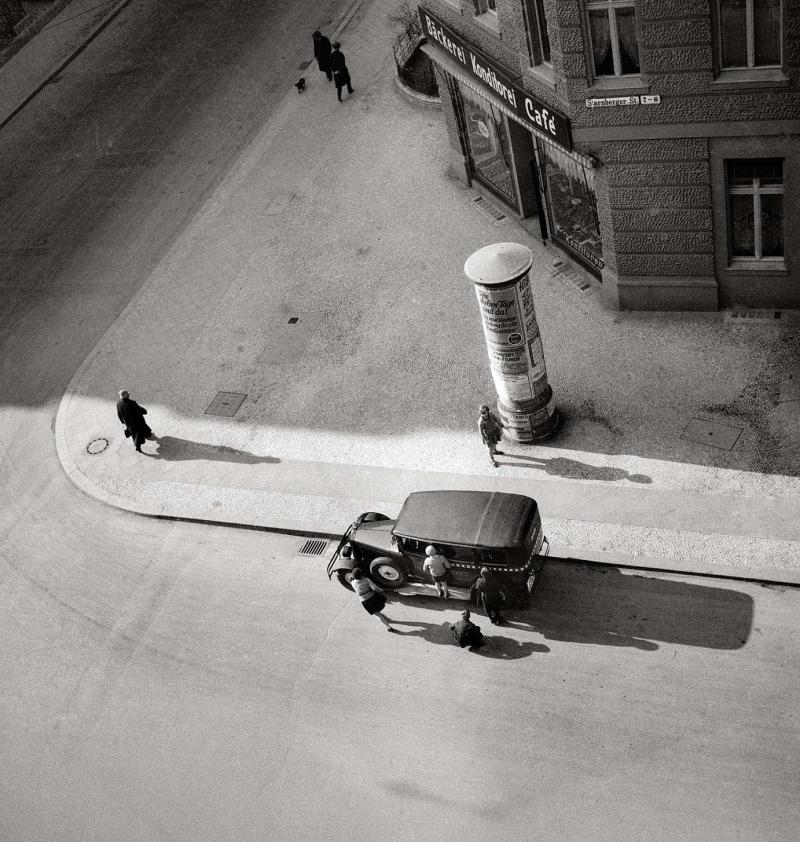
(486, 592)
(371, 596)
(466, 633)
(490, 426)
(437, 565)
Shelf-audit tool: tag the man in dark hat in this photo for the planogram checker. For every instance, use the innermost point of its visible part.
(322, 53)
(131, 415)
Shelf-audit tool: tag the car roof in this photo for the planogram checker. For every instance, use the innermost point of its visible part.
(472, 518)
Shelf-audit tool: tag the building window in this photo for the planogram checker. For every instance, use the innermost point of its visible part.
(755, 209)
(749, 33)
(538, 37)
(483, 6)
(615, 43)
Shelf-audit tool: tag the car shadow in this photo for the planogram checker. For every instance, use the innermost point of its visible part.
(579, 602)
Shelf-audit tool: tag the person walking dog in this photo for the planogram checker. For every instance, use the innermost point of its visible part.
(371, 596)
(437, 565)
(131, 416)
(490, 426)
(322, 53)
(341, 75)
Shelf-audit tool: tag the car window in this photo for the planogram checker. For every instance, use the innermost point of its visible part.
(466, 555)
(492, 556)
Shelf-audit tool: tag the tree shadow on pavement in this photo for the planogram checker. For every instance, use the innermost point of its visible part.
(573, 469)
(175, 449)
(494, 646)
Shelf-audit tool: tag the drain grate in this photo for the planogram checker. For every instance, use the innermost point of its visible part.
(753, 316)
(226, 403)
(561, 269)
(712, 433)
(314, 546)
(488, 209)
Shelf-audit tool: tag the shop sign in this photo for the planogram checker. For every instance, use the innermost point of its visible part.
(530, 110)
(608, 101)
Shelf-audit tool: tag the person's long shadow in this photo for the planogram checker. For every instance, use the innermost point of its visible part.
(494, 646)
(181, 450)
(560, 466)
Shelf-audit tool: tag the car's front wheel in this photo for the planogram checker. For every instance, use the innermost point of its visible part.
(387, 572)
(345, 578)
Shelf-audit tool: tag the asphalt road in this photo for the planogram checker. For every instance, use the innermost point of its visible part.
(174, 681)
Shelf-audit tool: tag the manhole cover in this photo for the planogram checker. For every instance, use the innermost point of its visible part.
(315, 546)
(96, 446)
(712, 433)
(226, 403)
(288, 337)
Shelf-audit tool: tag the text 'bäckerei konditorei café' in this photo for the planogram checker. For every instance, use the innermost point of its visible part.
(530, 110)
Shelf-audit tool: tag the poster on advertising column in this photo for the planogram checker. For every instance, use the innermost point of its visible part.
(516, 357)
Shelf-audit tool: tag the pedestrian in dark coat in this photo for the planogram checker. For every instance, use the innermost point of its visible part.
(490, 426)
(131, 415)
(466, 633)
(341, 75)
(322, 53)
(486, 592)
(371, 596)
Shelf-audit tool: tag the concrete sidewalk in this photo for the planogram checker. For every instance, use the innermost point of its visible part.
(323, 280)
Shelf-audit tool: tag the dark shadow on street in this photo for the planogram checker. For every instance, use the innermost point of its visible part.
(559, 466)
(584, 603)
(179, 450)
(494, 646)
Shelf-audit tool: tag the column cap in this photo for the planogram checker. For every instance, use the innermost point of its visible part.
(499, 263)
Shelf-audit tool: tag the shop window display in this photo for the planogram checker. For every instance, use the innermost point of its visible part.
(488, 145)
(571, 203)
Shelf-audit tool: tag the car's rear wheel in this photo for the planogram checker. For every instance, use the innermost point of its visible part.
(388, 573)
(345, 578)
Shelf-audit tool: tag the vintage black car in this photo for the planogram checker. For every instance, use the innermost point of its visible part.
(472, 529)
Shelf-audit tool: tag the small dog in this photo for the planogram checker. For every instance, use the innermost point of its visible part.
(300, 84)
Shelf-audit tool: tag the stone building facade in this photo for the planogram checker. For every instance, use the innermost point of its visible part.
(658, 141)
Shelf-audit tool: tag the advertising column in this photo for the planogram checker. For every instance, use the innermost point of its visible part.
(500, 273)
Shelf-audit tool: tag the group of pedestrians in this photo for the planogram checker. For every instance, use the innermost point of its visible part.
(331, 62)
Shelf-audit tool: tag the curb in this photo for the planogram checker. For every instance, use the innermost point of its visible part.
(69, 58)
(416, 98)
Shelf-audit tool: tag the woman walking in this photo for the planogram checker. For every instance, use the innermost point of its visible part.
(371, 596)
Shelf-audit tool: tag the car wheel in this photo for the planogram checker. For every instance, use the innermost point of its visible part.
(387, 572)
(370, 517)
(345, 578)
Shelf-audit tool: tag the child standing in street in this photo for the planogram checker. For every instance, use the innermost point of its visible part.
(437, 565)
